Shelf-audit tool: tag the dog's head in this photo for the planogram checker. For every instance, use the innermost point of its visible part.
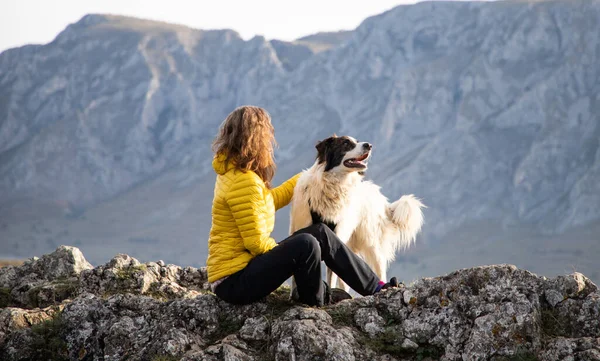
(343, 154)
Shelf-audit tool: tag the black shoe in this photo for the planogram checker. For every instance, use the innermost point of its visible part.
(393, 283)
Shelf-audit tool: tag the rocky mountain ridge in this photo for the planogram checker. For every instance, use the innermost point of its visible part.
(59, 307)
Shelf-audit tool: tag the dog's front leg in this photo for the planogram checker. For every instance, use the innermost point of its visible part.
(331, 277)
(376, 261)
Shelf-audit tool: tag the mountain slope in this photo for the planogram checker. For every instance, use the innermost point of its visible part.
(488, 111)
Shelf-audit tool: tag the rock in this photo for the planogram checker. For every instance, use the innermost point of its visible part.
(307, 334)
(44, 281)
(65, 273)
(572, 349)
(13, 319)
(230, 349)
(255, 329)
(64, 262)
(484, 313)
(577, 317)
(369, 321)
(160, 281)
(30, 334)
(571, 286)
(409, 345)
(553, 297)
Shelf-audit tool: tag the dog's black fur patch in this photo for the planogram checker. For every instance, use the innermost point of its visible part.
(317, 218)
(332, 151)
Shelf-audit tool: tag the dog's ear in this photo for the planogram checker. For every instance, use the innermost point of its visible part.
(322, 148)
(322, 145)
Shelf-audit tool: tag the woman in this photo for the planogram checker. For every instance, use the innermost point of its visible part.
(244, 262)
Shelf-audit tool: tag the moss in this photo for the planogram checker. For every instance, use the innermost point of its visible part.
(386, 343)
(278, 302)
(66, 290)
(5, 298)
(341, 316)
(227, 326)
(155, 292)
(524, 356)
(128, 272)
(390, 343)
(126, 281)
(56, 291)
(47, 340)
(429, 352)
(33, 297)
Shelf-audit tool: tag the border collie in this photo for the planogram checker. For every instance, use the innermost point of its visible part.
(333, 191)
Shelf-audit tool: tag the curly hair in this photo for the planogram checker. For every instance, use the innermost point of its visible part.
(247, 138)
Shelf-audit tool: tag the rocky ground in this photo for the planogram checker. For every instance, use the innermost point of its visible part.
(58, 307)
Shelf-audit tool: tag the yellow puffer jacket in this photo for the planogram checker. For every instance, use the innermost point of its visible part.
(243, 216)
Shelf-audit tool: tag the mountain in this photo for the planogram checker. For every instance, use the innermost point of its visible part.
(487, 111)
(292, 54)
(59, 307)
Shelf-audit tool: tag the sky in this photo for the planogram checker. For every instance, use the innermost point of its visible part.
(39, 21)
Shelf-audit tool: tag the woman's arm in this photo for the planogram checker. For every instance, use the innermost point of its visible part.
(282, 195)
(247, 204)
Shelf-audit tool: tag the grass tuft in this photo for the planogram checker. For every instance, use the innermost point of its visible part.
(553, 325)
(47, 342)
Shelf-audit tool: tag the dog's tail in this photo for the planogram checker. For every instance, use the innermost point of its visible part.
(407, 215)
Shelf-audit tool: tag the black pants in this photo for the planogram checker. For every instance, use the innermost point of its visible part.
(299, 255)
